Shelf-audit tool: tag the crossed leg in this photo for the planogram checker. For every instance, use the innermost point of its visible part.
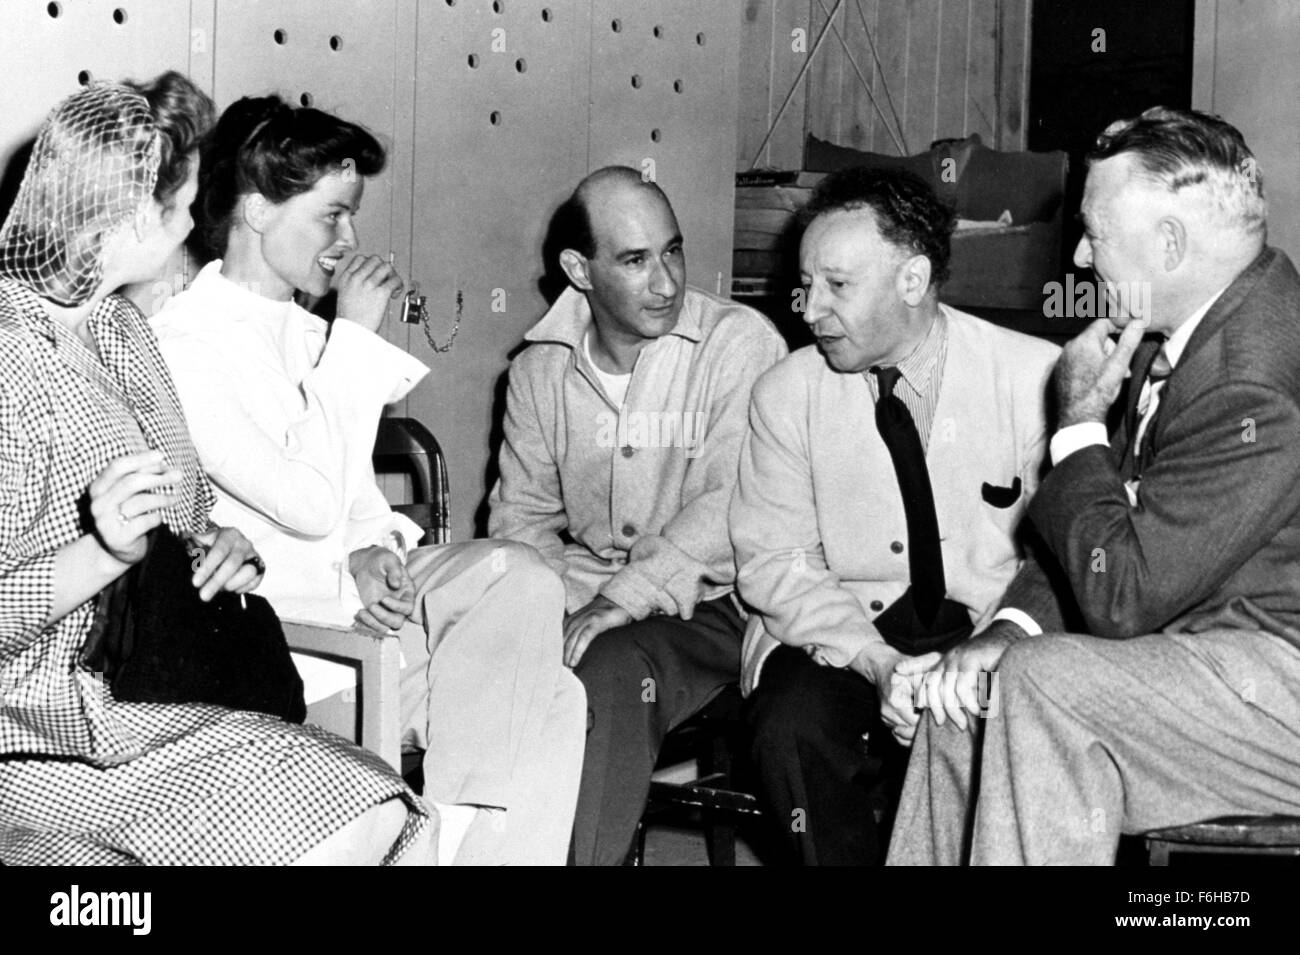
(1096, 738)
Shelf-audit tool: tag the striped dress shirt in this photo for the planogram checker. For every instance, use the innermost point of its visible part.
(922, 374)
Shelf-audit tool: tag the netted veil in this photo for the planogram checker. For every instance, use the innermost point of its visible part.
(95, 161)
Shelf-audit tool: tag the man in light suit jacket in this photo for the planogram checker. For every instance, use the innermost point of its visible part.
(1170, 550)
(624, 420)
(847, 578)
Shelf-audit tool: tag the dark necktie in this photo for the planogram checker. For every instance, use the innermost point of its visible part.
(898, 430)
(1149, 365)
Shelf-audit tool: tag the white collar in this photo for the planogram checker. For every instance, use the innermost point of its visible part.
(244, 304)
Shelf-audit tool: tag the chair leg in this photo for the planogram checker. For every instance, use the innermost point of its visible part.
(637, 855)
(720, 837)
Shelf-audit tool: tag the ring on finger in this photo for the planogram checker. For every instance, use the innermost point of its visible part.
(257, 563)
(121, 517)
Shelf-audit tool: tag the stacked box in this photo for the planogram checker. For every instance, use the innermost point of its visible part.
(766, 233)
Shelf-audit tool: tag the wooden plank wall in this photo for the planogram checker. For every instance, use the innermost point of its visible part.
(933, 69)
(769, 65)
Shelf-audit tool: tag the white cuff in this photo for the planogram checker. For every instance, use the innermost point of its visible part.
(1075, 437)
(397, 371)
(1019, 617)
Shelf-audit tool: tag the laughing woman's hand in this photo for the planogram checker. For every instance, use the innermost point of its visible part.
(366, 288)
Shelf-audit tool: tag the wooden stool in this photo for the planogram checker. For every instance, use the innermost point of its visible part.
(1227, 835)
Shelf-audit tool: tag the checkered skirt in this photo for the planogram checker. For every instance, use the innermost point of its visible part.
(84, 778)
(214, 787)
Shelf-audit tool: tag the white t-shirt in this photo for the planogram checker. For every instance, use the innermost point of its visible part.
(615, 385)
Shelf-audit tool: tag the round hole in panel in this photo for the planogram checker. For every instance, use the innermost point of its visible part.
(305, 99)
(472, 60)
(498, 7)
(84, 77)
(677, 86)
(658, 31)
(636, 82)
(55, 10)
(119, 16)
(699, 39)
(336, 43)
(495, 117)
(521, 65)
(546, 14)
(451, 3)
(280, 37)
(655, 135)
(616, 25)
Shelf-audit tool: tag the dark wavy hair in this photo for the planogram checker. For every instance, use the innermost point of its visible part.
(262, 144)
(908, 213)
(184, 116)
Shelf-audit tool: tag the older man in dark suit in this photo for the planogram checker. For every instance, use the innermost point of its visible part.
(1172, 550)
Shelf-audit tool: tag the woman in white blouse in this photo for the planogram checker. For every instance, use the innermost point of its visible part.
(284, 408)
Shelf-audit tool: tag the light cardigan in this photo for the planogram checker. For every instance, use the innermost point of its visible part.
(817, 519)
(641, 491)
(284, 422)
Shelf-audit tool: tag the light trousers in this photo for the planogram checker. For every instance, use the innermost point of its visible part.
(1088, 739)
(485, 693)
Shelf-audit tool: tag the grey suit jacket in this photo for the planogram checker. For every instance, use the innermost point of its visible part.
(1215, 538)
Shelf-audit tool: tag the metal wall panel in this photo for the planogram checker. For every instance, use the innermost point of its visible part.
(339, 57)
(500, 139)
(47, 49)
(492, 110)
(663, 90)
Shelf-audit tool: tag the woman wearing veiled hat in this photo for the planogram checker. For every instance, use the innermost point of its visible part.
(94, 454)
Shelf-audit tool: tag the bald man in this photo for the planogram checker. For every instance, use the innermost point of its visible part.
(624, 421)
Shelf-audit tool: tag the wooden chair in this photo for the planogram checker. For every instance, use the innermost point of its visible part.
(373, 720)
(725, 791)
(717, 739)
(1227, 835)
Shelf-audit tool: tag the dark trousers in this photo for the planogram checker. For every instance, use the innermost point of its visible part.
(815, 769)
(642, 680)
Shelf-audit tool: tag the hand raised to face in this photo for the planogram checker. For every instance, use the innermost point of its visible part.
(1091, 370)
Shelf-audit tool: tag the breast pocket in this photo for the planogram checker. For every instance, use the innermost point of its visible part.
(999, 496)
